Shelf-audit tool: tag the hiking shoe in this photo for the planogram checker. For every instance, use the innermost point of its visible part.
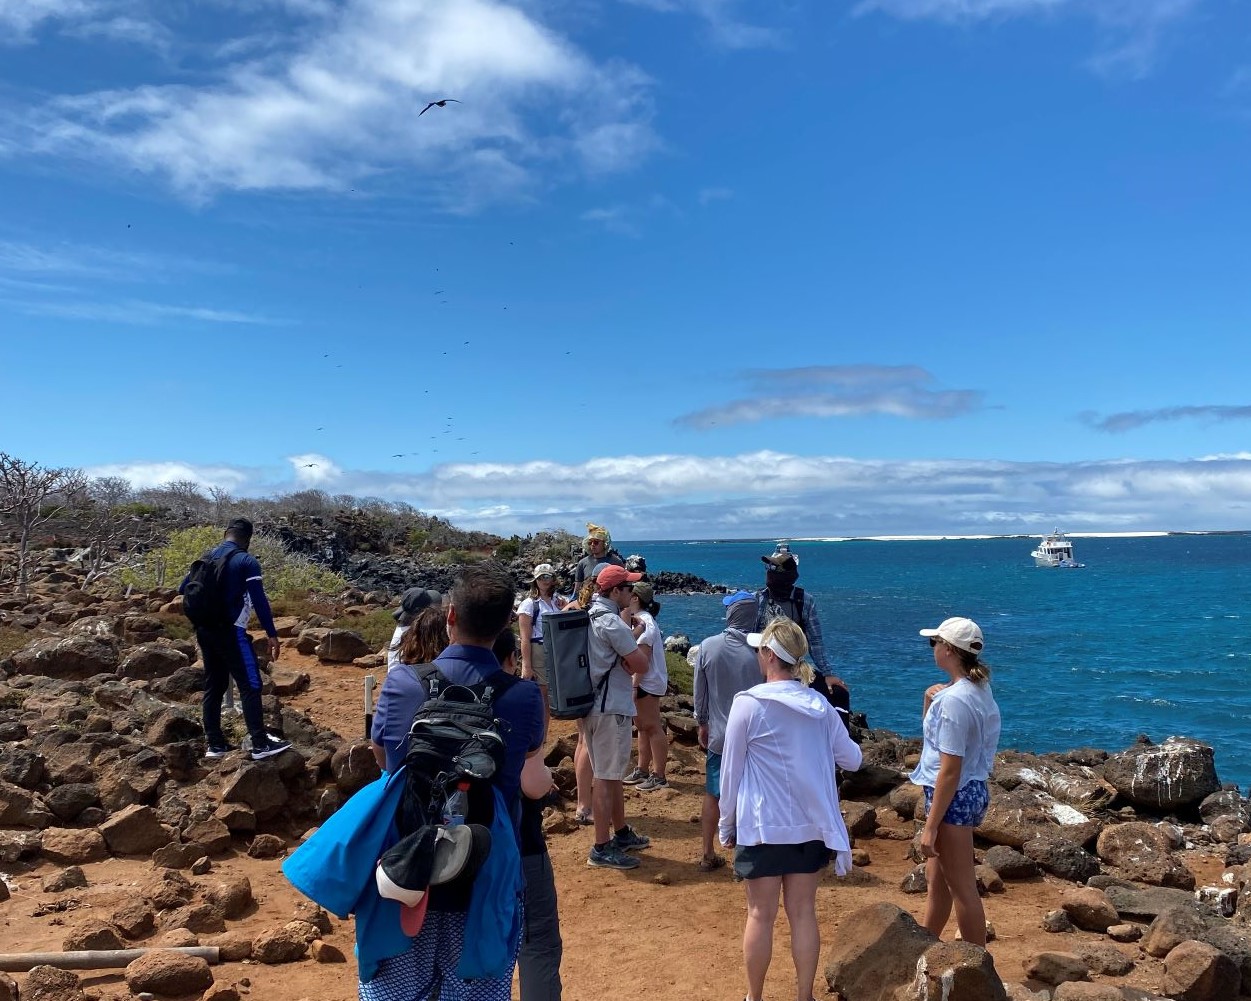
(270, 750)
(213, 753)
(653, 783)
(635, 777)
(610, 857)
(629, 840)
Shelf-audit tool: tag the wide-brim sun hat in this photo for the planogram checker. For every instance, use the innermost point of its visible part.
(957, 631)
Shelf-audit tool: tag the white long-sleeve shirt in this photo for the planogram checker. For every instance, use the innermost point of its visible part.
(782, 741)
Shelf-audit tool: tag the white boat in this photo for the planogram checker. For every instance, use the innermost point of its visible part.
(1055, 550)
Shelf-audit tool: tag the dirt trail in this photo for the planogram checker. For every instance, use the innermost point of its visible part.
(663, 931)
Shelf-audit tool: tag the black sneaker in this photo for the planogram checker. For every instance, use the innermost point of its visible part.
(270, 750)
(629, 840)
(213, 753)
(610, 857)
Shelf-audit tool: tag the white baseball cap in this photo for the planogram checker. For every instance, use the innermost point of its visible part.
(959, 632)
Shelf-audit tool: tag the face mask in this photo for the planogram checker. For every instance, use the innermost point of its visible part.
(781, 582)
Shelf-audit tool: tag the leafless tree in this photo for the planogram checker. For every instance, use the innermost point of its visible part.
(32, 494)
(114, 537)
(222, 502)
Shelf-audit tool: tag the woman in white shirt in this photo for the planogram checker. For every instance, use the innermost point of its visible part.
(779, 801)
(543, 599)
(649, 689)
(960, 729)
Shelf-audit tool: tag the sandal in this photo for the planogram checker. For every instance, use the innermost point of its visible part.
(583, 817)
(709, 863)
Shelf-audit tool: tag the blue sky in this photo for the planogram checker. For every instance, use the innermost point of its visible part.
(693, 268)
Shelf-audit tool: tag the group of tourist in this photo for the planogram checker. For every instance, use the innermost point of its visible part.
(772, 716)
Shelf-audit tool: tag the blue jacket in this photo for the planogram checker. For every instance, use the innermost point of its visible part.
(335, 868)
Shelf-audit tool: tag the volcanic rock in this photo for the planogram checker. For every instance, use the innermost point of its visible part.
(1062, 858)
(170, 973)
(1196, 971)
(876, 952)
(1162, 778)
(69, 846)
(151, 660)
(76, 656)
(135, 830)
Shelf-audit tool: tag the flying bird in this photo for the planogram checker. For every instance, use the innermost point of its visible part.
(438, 104)
(398, 455)
(310, 465)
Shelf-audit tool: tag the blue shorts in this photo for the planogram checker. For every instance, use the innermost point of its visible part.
(712, 774)
(968, 805)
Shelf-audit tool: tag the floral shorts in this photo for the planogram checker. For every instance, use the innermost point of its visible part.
(968, 806)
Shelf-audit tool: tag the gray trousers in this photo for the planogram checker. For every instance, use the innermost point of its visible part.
(538, 961)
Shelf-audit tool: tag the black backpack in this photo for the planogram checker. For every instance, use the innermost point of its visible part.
(455, 741)
(204, 593)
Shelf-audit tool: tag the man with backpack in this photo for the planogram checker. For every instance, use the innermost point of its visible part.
(780, 598)
(615, 658)
(220, 592)
(481, 606)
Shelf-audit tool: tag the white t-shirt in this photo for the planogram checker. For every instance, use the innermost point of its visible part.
(656, 680)
(393, 651)
(536, 608)
(962, 720)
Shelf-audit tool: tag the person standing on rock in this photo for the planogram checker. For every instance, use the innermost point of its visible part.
(960, 734)
(226, 648)
(780, 598)
(724, 666)
(598, 549)
(779, 802)
(615, 659)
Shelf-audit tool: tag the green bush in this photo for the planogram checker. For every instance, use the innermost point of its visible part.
(377, 627)
(285, 573)
(509, 549)
(681, 674)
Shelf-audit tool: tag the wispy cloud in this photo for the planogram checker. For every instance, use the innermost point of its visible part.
(721, 19)
(87, 261)
(340, 102)
(134, 311)
(838, 391)
(1130, 419)
(19, 18)
(709, 195)
(773, 493)
(615, 219)
(1134, 30)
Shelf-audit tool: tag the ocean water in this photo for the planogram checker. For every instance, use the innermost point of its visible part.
(1153, 636)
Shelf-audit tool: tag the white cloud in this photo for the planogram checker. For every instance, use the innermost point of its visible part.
(1134, 30)
(771, 493)
(721, 20)
(614, 218)
(342, 103)
(838, 391)
(709, 195)
(132, 311)
(19, 18)
(156, 474)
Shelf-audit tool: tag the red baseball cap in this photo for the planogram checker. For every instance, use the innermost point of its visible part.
(614, 576)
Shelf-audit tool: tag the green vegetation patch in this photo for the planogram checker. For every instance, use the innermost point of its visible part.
(681, 674)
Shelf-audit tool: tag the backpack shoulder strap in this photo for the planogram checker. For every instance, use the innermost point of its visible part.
(431, 678)
(797, 598)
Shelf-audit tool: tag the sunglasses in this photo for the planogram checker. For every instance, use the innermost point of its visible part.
(545, 576)
(934, 641)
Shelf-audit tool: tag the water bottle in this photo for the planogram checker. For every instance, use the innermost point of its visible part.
(454, 809)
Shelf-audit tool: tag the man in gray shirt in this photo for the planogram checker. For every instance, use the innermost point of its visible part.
(724, 666)
(615, 657)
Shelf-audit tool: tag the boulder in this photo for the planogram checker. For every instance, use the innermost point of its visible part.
(1196, 971)
(135, 830)
(166, 889)
(48, 983)
(876, 953)
(232, 896)
(341, 646)
(68, 801)
(1143, 853)
(870, 780)
(21, 808)
(961, 970)
(353, 766)
(16, 845)
(92, 934)
(195, 918)
(1146, 903)
(72, 878)
(177, 856)
(1010, 863)
(212, 833)
(1104, 958)
(1062, 858)
(70, 846)
(1227, 815)
(1056, 967)
(267, 846)
(860, 818)
(324, 952)
(148, 661)
(173, 726)
(1080, 990)
(74, 657)
(238, 818)
(258, 786)
(22, 767)
(907, 801)
(8, 986)
(1057, 922)
(280, 945)
(1076, 785)
(291, 682)
(1125, 933)
(233, 946)
(133, 779)
(174, 974)
(1163, 777)
(1089, 908)
(1171, 928)
(134, 919)
(1024, 814)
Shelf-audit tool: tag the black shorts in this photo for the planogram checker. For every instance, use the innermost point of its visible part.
(754, 861)
(640, 694)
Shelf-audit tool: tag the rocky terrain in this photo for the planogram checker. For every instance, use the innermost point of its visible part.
(1108, 875)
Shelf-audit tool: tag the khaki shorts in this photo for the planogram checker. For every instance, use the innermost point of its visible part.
(538, 662)
(608, 742)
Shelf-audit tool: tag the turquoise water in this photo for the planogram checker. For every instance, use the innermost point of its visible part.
(1153, 636)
